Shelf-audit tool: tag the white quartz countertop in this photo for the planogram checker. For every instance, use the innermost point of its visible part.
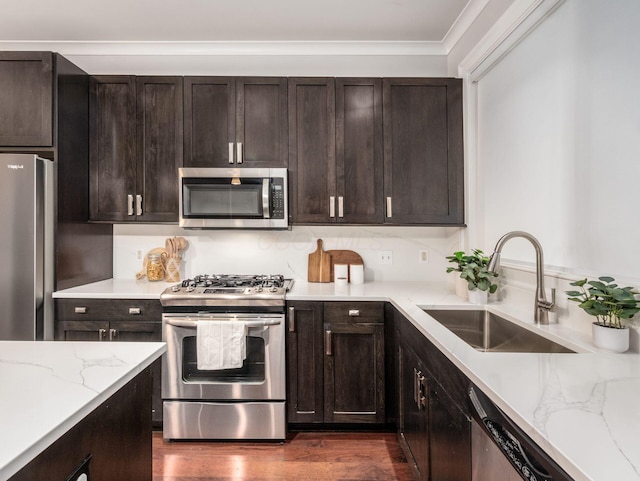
(46, 388)
(582, 409)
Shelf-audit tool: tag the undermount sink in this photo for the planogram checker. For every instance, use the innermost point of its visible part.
(488, 332)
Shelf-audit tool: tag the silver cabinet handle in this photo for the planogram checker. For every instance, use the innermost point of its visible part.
(327, 343)
(134, 310)
(138, 205)
(265, 198)
(354, 312)
(389, 210)
(101, 333)
(422, 390)
(231, 152)
(239, 148)
(80, 310)
(340, 206)
(113, 334)
(292, 319)
(332, 206)
(129, 204)
(415, 386)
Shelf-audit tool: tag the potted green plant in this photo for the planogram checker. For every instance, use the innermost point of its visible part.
(460, 259)
(473, 269)
(609, 304)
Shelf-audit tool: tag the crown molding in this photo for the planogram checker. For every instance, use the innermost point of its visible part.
(320, 48)
(514, 25)
(466, 18)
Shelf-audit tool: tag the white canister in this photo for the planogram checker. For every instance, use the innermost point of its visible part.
(357, 273)
(340, 271)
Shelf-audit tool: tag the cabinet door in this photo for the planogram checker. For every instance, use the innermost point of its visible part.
(135, 331)
(261, 122)
(450, 437)
(359, 166)
(312, 153)
(414, 429)
(26, 99)
(81, 331)
(354, 373)
(304, 362)
(423, 151)
(159, 147)
(209, 121)
(112, 157)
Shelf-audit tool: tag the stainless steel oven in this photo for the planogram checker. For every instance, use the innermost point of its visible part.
(239, 403)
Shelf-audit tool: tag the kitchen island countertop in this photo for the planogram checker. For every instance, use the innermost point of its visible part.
(48, 387)
(580, 408)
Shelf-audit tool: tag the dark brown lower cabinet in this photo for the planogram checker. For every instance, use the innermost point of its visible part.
(413, 424)
(434, 422)
(112, 442)
(108, 320)
(354, 373)
(335, 362)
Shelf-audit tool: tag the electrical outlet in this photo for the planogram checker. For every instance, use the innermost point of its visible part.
(423, 257)
(385, 257)
(139, 254)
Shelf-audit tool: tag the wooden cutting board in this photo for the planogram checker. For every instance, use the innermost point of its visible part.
(344, 257)
(320, 266)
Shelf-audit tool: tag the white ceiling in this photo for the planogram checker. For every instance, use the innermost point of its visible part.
(229, 20)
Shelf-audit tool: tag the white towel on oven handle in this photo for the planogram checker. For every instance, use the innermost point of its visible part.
(221, 344)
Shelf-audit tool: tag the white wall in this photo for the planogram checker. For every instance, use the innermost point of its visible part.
(286, 252)
(555, 142)
(559, 140)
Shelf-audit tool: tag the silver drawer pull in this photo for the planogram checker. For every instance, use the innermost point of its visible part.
(354, 312)
(134, 310)
(80, 310)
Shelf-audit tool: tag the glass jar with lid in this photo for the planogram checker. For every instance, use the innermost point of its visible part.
(155, 267)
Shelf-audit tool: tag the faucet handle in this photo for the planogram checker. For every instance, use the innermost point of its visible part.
(548, 305)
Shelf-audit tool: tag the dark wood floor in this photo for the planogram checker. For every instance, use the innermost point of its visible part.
(304, 456)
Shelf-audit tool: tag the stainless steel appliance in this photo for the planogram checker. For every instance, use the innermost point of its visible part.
(27, 215)
(220, 198)
(501, 451)
(243, 403)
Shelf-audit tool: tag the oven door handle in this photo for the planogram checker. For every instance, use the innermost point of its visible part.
(193, 323)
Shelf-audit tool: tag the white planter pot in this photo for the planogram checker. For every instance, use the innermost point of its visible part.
(478, 297)
(609, 338)
(462, 287)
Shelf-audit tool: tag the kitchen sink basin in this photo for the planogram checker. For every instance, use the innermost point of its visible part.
(486, 331)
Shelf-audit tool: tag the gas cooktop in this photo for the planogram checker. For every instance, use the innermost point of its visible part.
(224, 289)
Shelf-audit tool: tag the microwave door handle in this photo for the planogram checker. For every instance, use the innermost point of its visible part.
(265, 198)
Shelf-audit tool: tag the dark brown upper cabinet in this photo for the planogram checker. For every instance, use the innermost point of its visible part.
(136, 133)
(26, 99)
(423, 151)
(312, 149)
(335, 150)
(359, 163)
(235, 122)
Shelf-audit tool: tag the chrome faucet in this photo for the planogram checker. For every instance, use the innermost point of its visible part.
(542, 305)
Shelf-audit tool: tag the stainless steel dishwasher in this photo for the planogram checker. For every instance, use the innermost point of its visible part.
(501, 451)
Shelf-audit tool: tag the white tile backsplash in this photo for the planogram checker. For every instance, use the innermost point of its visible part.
(286, 252)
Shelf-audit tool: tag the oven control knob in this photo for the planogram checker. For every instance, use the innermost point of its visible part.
(190, 289)
(175, 288)
(274, 289)
(259, 289)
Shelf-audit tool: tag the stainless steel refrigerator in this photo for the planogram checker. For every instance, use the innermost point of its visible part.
(27, 217)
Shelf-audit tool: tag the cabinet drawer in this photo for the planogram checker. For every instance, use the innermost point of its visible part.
(108, 310)
(354, 312)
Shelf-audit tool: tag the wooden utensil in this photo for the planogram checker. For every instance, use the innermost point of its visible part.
(319, 267)
(343, 257)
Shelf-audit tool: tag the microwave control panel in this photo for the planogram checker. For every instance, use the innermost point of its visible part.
(277, 198)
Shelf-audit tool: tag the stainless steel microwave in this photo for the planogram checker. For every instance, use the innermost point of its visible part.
(227, 198)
